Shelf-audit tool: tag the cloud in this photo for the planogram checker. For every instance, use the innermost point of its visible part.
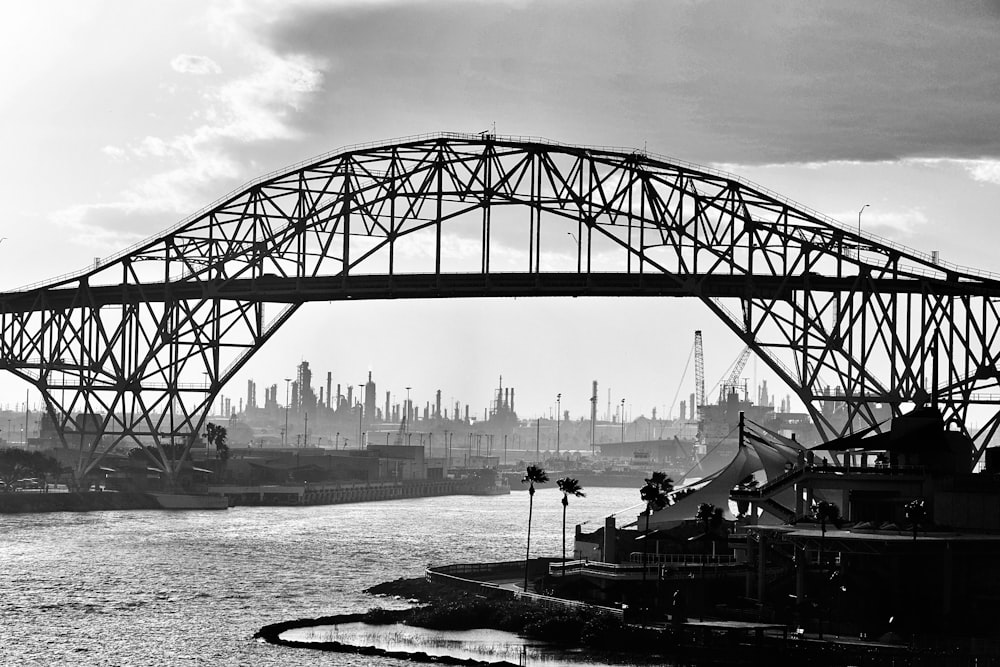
(723, 81)
(986, 171)
(187, 64)
(906, 222)
(258, 107)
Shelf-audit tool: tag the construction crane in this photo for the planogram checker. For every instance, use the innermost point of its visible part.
(699, 373)
(734, 378)
(401, 433)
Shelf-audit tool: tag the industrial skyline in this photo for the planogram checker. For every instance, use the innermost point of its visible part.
(215, 94)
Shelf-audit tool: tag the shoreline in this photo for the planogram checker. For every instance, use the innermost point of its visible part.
(441, 607)
(33, 502)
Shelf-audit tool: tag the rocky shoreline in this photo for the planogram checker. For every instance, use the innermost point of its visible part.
(600, 636)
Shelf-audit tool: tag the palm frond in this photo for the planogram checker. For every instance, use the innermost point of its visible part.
(535, 475)
(570, 487)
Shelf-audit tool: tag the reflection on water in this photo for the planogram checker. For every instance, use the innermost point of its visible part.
(485, 645)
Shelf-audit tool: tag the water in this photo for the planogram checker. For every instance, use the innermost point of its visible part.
(191, 588)
(481, 645)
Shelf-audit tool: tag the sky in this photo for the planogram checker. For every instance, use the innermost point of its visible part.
(122, 117)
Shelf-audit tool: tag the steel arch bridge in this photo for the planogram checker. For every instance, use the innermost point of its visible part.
(147, 338)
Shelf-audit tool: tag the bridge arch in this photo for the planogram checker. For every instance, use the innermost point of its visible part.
(148, 337)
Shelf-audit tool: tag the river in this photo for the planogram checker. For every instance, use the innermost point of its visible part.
(191, 588)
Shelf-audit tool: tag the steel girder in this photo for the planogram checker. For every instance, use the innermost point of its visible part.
(147, 338)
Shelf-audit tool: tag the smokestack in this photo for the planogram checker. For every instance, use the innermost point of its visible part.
(329, 379)
(437, 404)
(350, 397)
(694, 408)
(512, 399)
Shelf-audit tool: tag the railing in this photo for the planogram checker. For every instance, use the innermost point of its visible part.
(654, 563)
(683, 559)
(616, 150)
(549, 601)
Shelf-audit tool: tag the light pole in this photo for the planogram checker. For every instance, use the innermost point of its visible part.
(558, 417)
(579, 259)
(361, 415)
(284, 438)
(622, 416)
(593, 425)
(859, 228)
(407, 411)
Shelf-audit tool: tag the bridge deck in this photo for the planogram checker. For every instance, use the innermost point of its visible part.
(277, 289)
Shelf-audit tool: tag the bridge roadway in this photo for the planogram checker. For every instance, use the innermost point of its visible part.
(276, 289)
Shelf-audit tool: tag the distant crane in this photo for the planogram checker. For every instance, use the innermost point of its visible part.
(400, 434)
(734, 377)
(699, 373)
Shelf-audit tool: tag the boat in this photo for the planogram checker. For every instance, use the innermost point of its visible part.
(190, 501)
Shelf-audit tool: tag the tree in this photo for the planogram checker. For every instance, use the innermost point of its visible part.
(569, 487)
(216, 435)
(916, 514)
(825, 512)
(17, 463)
(705, 513)
(533, 475)
(655, 494)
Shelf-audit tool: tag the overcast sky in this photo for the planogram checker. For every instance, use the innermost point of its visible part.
(120, 118)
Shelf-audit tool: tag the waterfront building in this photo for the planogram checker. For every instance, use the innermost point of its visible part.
(865, 535)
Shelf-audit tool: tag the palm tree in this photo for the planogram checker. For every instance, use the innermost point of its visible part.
(825, 512)
(533, 475)
(569, 487)
(916, 514)
(655, 495)
(705, 512)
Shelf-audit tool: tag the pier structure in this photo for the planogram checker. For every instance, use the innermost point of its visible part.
(135, 348)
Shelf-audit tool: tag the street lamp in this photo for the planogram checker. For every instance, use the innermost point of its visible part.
(361, 416)
(407, 411)
(593, 417)
(859, 228)
(284, 436)
(622, 415)
(558, 417)
(579, 259)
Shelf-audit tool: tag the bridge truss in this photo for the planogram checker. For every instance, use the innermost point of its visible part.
(135, 349)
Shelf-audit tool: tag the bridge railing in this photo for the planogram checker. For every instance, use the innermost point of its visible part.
(712, 171)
